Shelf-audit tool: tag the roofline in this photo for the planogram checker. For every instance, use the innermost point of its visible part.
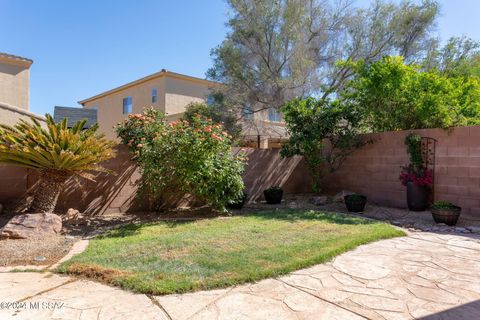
(16, 60)
(162, 73)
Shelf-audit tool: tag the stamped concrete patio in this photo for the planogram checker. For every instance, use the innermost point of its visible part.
(422, 276)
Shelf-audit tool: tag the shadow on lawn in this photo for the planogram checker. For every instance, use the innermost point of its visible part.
(285, 215)
(308, 215)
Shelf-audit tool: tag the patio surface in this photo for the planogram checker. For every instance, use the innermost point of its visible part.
(422, 276)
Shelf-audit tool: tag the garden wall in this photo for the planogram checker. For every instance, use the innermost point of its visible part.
(372, 170)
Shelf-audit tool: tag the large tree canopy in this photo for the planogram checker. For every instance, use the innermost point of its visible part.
(278, 50)
(392, 95)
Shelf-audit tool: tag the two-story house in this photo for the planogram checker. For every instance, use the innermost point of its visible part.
(171, 93)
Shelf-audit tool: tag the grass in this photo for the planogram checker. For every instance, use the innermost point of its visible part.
(169, 257)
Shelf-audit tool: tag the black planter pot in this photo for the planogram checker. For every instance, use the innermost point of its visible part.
(355, 203)
(238, 204)
(273, 196)
(449, 216)
(417, 197)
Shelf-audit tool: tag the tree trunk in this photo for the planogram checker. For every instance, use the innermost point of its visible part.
(46, 193)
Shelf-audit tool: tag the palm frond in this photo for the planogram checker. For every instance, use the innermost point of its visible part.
(54, 146)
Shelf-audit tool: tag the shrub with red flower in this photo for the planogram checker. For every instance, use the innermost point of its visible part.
(193, 156)
(419, 176)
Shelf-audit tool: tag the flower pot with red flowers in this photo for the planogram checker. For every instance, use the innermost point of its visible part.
(416, 177)
(418, 182)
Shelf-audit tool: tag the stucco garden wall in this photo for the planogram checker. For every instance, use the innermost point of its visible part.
(372, 170)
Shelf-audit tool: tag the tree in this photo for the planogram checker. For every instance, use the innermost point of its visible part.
(393, 95)
(459, 57)
(56, 152)
(279, 50)
(323, 132)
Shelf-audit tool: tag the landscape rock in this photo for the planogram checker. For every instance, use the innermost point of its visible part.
(339, 196)
(73, 216)
(32, 225)
(319, 200)
(474, 229)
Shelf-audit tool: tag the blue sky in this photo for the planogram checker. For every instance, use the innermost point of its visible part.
(83, 47)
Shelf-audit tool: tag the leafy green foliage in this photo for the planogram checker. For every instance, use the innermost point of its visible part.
(216, 111)
(278, 50)
(323, 133)
(444, 205)
(459, 57)
(54, 147)
(169, 257)
(393, 95)
(193, 157)
(413, 142)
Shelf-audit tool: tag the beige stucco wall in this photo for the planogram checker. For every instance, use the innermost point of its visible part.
(179, 93)
(110, 107)
(14, 83)
(10, 115)
(173, 96)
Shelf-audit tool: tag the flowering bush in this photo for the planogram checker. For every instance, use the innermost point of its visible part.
(137, 129)
(185, 156)
(421, 176)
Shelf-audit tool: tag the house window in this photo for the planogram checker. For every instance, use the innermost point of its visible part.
(154, 95)
(247, 111)
(127, 105)
(274, 115)
(210, 100)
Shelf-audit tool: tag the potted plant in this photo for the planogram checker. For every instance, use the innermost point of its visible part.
(445, 212)
(355, 202)
(238, 204)
(416, 177)
(417, 181)
(273, 195)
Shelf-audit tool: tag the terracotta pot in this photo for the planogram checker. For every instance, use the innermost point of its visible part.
(417, 197)
(449, 216)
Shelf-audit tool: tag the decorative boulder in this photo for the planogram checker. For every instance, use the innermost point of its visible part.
(32, 225)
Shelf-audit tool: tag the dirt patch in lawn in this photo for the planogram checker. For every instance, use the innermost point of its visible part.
(18, 252)
(97, 272)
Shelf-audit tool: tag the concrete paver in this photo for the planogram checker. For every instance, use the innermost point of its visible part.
(424, 275)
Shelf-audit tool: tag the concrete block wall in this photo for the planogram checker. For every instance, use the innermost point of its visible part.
(374, 169)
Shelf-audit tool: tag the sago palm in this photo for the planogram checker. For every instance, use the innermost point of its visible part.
(56, 151)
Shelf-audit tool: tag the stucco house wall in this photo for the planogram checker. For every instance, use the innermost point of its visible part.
(15, 80)
(174, 93)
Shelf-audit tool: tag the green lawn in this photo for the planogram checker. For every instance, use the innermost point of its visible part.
(167, 257)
